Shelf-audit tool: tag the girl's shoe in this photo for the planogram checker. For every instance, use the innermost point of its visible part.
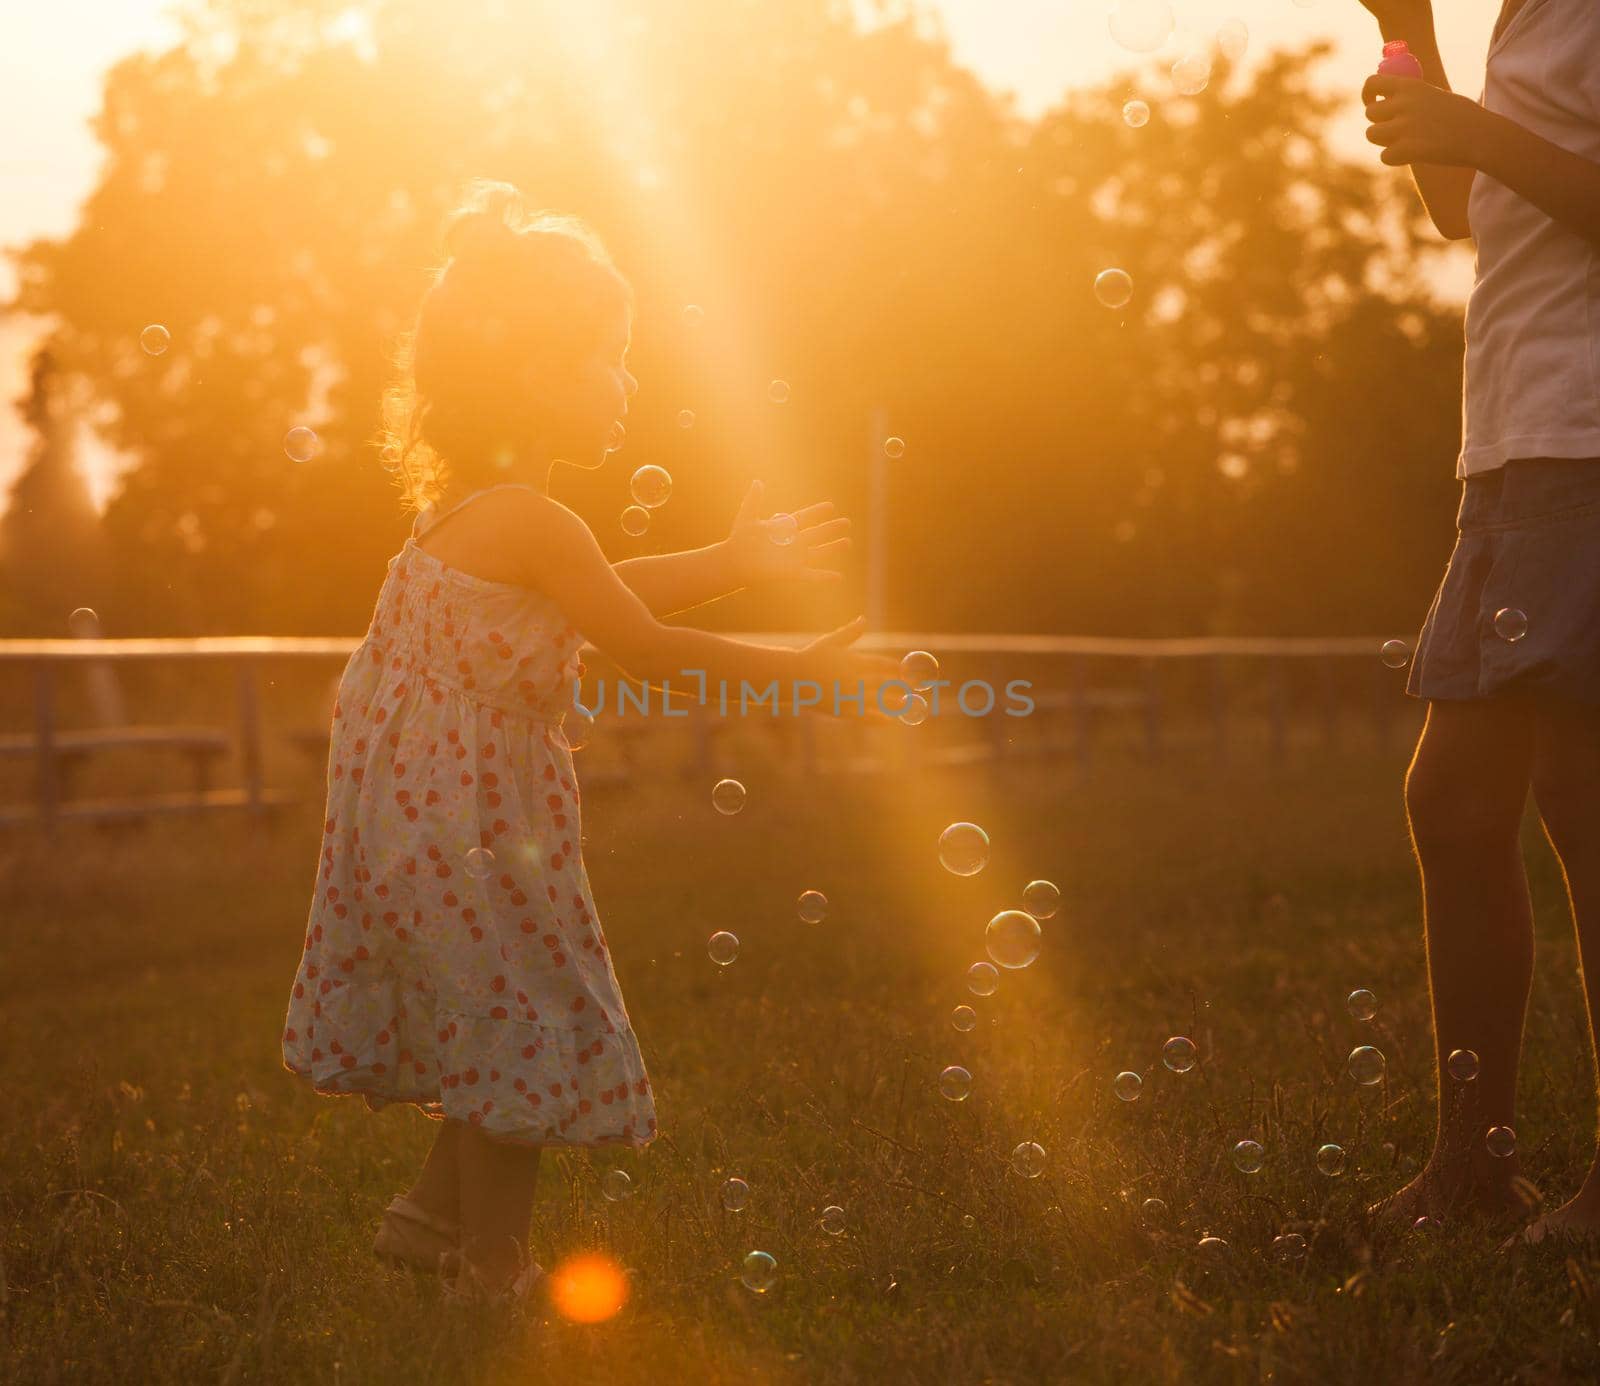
(468, 1288)
(409, 1232)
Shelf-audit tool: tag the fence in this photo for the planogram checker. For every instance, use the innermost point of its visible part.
(1070, 693)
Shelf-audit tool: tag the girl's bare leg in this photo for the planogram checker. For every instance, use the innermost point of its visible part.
(1566, 781)
(438, 1187)
(496, 1191)
(1465, 795)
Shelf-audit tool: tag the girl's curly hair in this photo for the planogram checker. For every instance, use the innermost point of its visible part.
(517, 289)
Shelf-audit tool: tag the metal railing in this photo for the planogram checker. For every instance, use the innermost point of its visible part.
(1070, 656)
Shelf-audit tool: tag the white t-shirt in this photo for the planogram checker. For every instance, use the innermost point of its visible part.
(1531, 385)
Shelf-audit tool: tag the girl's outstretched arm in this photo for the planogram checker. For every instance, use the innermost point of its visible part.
(668, 583)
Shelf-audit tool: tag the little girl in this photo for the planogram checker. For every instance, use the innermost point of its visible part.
(1509, 656)
(453, 957)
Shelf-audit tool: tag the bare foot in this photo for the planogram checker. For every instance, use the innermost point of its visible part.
(491, 1277)
(1572, 1223)
(1434, 1194)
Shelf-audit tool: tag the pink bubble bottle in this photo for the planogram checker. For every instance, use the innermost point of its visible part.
(1399, 60)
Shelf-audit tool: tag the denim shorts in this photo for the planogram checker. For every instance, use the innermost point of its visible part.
(1528, 544)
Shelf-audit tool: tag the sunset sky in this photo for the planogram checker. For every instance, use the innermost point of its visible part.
(54, 56)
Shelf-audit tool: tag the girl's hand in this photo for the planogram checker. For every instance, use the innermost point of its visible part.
(829, 661)
(1419, 123)
(818, 544)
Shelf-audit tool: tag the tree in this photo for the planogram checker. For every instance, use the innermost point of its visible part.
(857, 215)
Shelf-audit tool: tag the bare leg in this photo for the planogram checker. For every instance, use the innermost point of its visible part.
(1566, 781)
(496, 1192)
(1465, 795)
(438, 1187)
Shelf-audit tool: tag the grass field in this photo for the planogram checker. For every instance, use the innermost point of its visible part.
(179, 1208)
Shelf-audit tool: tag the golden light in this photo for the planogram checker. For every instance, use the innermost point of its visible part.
(588, 1288)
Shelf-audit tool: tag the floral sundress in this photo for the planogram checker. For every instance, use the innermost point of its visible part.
(453, 955)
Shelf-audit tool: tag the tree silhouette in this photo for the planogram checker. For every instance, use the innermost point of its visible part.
(1261, 439)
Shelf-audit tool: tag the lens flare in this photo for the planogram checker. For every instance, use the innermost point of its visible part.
(588, 1288)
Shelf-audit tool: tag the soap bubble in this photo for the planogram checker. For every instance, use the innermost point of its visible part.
(1424, 1224)
(1462, 1065)
(577, 727)
(1113, 287)
(617, 437)
(1041, 898)
(1233, 37)
(1396, 654)
(693, 314)
(964, 849)
(1127, 1086)
(1028, 1159)
(301, 444)
(1367, 1065)
(722, 947)
(914, 711)
(1501, 1142)
(635, 520)
(968, 1221)
(1510, 624)
(479, 863)
(1013, 938)
(832, 1220)
(1213, 1247)
(1289, 1249)
(1362, 1004)
(155, 339)
(919, 669)
(1179, 1054)
(778, 392)
(1247, 1157)
(735, 1194)
(813, 906)
(1330, 1159)
(1191, 73)
(781, 529)
(1136, 114)
(650, 485)
(727, 796)
(982, 979)
(894, 448)
(1153, 1211)
(760, 1272)
(1140, 26)
(616, 1185)
(955, 1083)
(964, 1018)
(83, 621)
(686, 418)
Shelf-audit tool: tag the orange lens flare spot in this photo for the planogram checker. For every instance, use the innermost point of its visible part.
(588, 1288)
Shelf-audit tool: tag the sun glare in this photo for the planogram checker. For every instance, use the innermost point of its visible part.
(588, 1288)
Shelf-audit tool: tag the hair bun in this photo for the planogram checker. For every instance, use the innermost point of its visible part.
(486, 222)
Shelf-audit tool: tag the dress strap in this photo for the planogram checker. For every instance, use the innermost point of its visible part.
(427, 518)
